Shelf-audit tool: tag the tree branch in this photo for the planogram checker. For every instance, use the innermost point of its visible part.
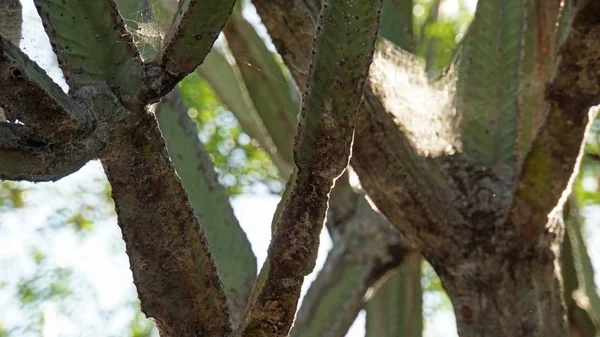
(193, 31)
(291, 25)
(365, 249)
(172, 266)
(390, 134)
(32, 98)
(321, 154)
(287, 23)
(99, 51)
(556, 150)
(27, 157)
(195, 27)
(228, 242)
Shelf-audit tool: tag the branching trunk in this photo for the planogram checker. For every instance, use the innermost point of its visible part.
(173, 270)
(517, 296)
(366, 248)
(495, 254)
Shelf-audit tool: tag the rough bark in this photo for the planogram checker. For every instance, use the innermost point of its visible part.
(11, 20)
(460, 219)
(47, 141)
(365, 249)
(30, 97)
(173, 269)
(288, 23)
(321, 152)
(546, 176)
(229, 244)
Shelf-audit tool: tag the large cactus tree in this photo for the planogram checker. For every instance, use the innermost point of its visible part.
(469, 171)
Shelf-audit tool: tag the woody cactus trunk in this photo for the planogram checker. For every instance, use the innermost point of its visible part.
(470, 170)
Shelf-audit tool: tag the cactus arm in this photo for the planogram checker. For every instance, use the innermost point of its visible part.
(193, 31)
(291, 24)
(396, 307)
(40, 142)
(25, 85)
(26, 157)
(267, 87)
(322, 147)
(365, 250)
(92, 44)
(172, 266)
(397, 23)
(228, 242)
(554, 158)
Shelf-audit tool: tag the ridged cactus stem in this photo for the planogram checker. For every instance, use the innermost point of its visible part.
(342, 50)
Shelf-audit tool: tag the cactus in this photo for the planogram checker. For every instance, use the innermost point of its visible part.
(472, 191)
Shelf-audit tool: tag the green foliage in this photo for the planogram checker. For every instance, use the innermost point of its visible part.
(238, 159)
(12, 195)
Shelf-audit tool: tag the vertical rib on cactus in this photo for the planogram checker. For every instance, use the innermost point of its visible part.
(396, 308)
(553, 160)
(488, 81)
(343, 48)
(267, 87)
(193, 31)
(581, 298)
(228, 242)
(100, 50)
(587, 296)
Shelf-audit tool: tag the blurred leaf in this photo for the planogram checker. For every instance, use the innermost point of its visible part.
(80, 222)
(11, 195)
(141, 326)
(238, 160)
(226, 80)
(44, 286)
